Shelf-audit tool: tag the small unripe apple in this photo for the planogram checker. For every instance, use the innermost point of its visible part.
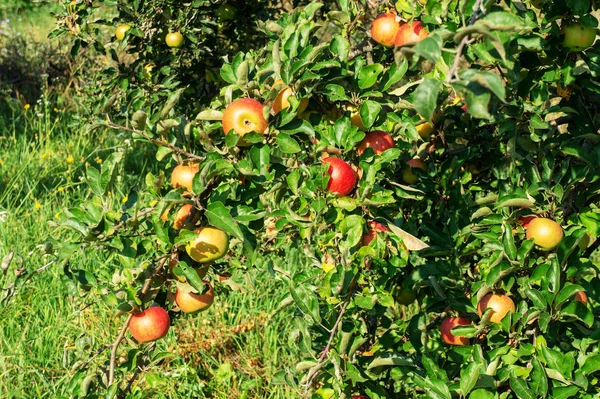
(374, 227)
(578, 37)
(244, 115)
(425, 130)
(342, 178)
(189, 302)
(174, 39)
(150, 325)
(120, 31)
(183, 175)
(226, 12)
(546, 233)
(384, 29)
(410, 33)
(378, 140)
(407, 174)
(500, 304)
(446, 329)
(209, 245)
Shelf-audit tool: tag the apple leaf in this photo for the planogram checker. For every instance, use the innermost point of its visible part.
(425, 97)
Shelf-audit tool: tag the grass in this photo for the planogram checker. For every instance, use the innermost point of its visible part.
(48, 332)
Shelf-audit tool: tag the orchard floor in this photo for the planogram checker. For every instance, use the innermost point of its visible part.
(233, 350)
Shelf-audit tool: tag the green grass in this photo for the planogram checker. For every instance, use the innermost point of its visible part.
(231, 351)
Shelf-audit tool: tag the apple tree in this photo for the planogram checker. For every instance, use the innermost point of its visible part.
(435, 198)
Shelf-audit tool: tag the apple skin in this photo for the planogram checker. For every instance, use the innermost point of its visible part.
(182, 218)
(174, 39)
(446, 329)
(244, 115)
(282, 100)
(189, 302)
(209, 245)
(360, 397)
(500, 304)
(384, 29)
(226, 12)
(581, 296)
(546, 233)
(374, 227)
(578, 37)
(425, 130)
(150, 325)
(525, 220)
(120, 31)
(410, 32)
(378, 140)
(407, 174)
(342, 178)
(183, 175)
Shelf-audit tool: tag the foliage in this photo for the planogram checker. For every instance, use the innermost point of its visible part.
(526, 141)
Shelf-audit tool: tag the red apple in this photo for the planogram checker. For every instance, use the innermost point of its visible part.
(525, 220)
(378, 140)
(410, 33)
(244, 115)
(374, 227)
(500, 304)
(150, 325)
(581, 296)
(384, 29)
(189, 302)
(446, 329)
(342, 178)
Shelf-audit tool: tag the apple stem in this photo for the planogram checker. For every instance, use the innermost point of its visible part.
(115, 345)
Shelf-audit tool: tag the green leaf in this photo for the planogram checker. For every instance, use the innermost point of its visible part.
(425, 97)
(340, 47)
(109, 169)
(539, 381)
(520, 387)
(564, 392)
(481, 394)
(578, 311)
(394, 74)
(171, 102)
(367, 75)
(391, 359)
(307, 302)
(469, 377)
(501, 20)
(369, 111)
(489, 80)
(220, 217)
(430, 47)
(287, 144)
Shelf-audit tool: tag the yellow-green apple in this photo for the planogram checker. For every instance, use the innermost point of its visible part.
(500, 305)
(578, 37)
(282, 100)
(120, 31)
(150, 325)
(378, 140)
(546, 233)
(425, 130)
(174, 39)
(226, 12)
(209, 245)
(342, 178)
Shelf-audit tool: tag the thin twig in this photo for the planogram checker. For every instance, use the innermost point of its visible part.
(115, 345)
(157, 142)
(463, 43)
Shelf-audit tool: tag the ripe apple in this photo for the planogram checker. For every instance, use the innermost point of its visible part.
(342, 178)
(282, 100)
(581, 296)
(226, 12)
(378, 140)
(525, 220)
(578, 37)
(185, 217)
(210, 244)
(174, 39)
(150, 325)
(360, 397)
(407, 174)
(120, 31)
(410, 32)
(244, 115)
(384, 29)
(546, 233)
(500, 304)
(446, 329)
(183, 175)
(189, 302)
(374, 227)
(425, 130)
